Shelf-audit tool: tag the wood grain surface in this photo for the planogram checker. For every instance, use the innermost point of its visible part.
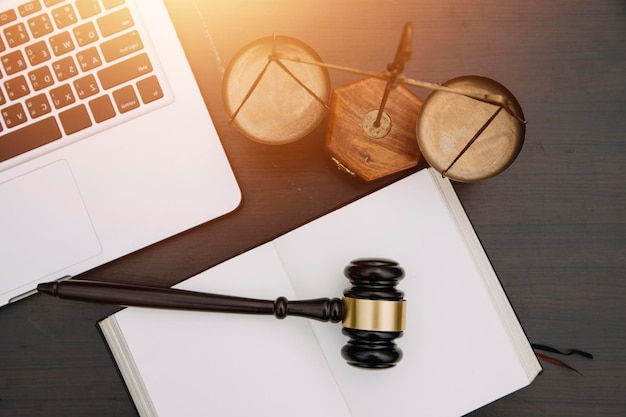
(553, 224)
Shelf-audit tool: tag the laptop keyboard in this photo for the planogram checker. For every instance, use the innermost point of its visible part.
(70, 68)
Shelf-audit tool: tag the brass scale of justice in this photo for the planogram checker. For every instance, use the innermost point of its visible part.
(276, 91)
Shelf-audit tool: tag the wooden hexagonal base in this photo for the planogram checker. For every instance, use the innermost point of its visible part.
(366, 154)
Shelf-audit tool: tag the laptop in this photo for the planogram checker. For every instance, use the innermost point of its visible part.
(106, 145)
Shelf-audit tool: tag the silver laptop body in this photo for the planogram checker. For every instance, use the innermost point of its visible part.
(106, 145)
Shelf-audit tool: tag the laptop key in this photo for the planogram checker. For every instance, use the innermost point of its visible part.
(149, 89)
(121, 46)
(16, 35)
(40, 25)
(64, 16)
(29, 8)
(75, 119)
(14, 115)
(102, 109)
(89, 59)
(37, 53)
(18, 141)
(38, 105)
(86, 86)
(16, 87)
(115, 22)
(49, 3)
(125, 99)
(124, 71)
(61, 43)
(13, 62)
(109, 4)
(62, 96)
(87, 8)
(7, 16)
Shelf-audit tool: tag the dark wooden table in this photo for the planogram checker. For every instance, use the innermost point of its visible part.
(553, 224)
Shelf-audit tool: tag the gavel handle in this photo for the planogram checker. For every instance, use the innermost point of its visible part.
(322, 309)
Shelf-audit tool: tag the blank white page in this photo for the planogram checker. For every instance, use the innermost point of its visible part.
(457, 353)
(199, 364)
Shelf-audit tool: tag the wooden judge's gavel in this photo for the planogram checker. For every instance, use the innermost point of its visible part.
(372, 311)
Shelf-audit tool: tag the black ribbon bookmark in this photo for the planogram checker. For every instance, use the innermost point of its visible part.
(558, 362)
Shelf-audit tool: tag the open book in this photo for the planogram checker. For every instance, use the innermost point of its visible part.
(463, 345)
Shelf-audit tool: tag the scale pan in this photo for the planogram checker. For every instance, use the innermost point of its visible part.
(274, 101)
(447, 123)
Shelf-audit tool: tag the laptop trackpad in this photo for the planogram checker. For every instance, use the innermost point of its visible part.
(44, 226)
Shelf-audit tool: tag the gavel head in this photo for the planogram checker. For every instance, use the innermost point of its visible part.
(374, 313)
